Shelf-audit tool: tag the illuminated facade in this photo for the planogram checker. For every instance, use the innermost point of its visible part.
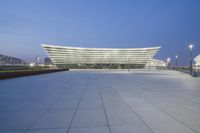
(75, 57)
(197, 60)
(156, 63)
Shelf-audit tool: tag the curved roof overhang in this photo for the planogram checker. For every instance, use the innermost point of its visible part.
(77, 55)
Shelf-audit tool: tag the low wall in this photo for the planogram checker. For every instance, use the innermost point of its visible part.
(20, 73)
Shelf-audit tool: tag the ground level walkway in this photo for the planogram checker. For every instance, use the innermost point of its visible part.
(101, 102)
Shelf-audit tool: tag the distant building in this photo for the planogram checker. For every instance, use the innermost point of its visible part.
(47, 61)
(7, 60)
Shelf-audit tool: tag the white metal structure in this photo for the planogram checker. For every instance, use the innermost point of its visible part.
(197, 60)
(156, 63)
(75, 55)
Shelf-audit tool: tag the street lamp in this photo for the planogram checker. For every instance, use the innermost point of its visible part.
(176, 60)
(190, 48)
(149, 63)
(168, 62)
(128, 63)
(32, 64)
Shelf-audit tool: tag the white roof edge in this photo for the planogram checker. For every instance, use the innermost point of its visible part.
(56, 46)
(197, 59)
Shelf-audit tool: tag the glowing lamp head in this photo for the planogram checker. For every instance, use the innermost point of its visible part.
(31, 64)
(168, 59)
(191, 46)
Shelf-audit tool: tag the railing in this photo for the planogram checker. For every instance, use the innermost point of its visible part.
(195, 70)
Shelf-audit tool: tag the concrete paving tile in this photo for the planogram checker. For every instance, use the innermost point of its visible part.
(4, 114)
(12, 131)
(171, 127)
(181, 114)
(113, 101)
(69, 96)
(48, 131)
(54, 119)
(174, 97)
(107, 90)
(89, 130)
(91, 104)
(12, 105)
(50, 98)
(89, 117)
(92, 91)
(39, 105)
(156, 119)
(65, 104)
(123, 116)
(20, 120)
(186, 104)
(130, 129)
(89, 96)
(76, 91)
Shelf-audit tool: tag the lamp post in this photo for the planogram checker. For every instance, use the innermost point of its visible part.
(190, 49)
(128, 63)
(176, 61)
(149, 64)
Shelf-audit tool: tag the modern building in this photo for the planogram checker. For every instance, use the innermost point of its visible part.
(7, 60)
(37, 60)
(155, 63)
(197, 60)
(76, 57)
(47, 61)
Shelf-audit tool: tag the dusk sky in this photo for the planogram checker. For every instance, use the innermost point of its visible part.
(171, 24)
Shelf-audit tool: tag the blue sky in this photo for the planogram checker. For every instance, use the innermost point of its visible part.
(171, 24)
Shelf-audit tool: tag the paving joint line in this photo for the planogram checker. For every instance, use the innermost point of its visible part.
(27, 129)
(135, 112)
(106, 115)
(172, 116)
(70, 125)
(168, 114)
(20, 109)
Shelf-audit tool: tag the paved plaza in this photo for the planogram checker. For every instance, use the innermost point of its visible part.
(101, 102)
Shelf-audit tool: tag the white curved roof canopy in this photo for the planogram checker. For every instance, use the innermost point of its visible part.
(76, 55)
(197, 60)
